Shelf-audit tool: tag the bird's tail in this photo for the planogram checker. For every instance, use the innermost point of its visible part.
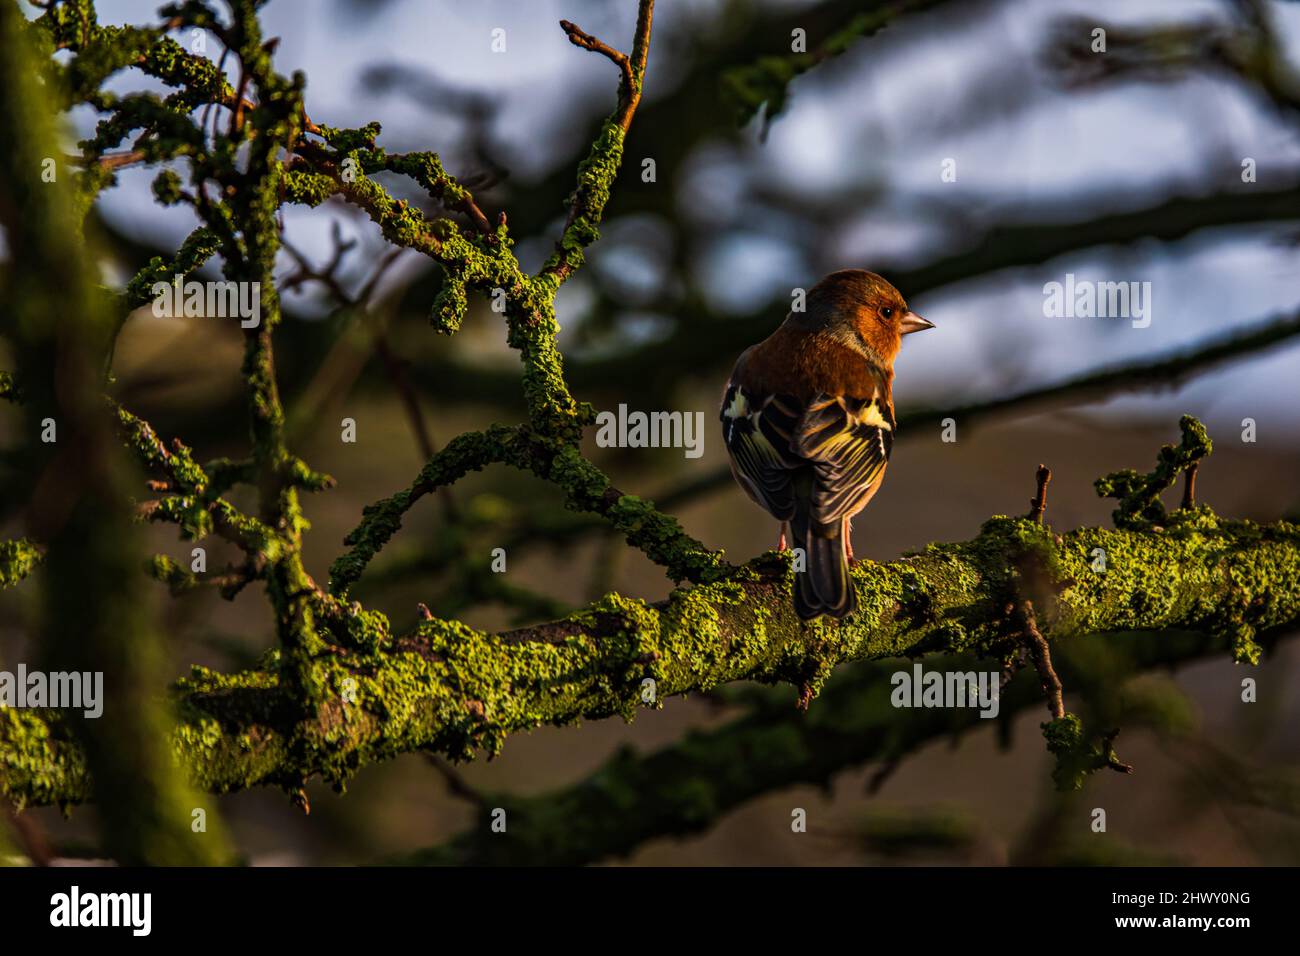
(824, 586)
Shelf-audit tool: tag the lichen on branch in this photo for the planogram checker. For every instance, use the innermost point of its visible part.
(450, 689)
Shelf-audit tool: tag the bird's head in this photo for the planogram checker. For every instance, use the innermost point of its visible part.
(862, 311)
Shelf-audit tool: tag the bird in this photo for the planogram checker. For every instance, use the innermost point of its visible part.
(808, 421)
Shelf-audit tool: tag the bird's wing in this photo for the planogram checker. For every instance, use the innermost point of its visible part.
(848, 441)
(757, 431)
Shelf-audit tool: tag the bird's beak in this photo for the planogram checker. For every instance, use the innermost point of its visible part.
(914, 323)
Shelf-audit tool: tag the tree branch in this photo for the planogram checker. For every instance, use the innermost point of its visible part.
(687, 787)
(447, 688)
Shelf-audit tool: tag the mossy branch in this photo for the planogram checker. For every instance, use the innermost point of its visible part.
(585, 488)
(449, 689)
(764, 85)
(686, 787)
(1139, 495)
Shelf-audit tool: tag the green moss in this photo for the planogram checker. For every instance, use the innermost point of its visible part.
(660, 536)
(307, 188)
(18, 559)
(199, 246)
(9, 388)
(162, 568)
(764, 85)
(175, 461)
(596, 176)
(381, 520)
(449, 306)
(1139, 495)
(453, 689)
(1076, 756)
(39, 766)
(350, 140)
(167, 188)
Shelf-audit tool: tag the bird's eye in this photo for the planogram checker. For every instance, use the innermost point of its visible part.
(886, 311)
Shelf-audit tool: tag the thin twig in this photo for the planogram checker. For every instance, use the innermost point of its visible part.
(1042, 658)
(237, 115)
(456, 784)
(1189, 488)
(580, 37)
(1108, 750)
(394, 366)
(1038, 504)
(203, 120)
(883, 773)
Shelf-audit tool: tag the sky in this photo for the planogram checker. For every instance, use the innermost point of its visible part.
(882, 119)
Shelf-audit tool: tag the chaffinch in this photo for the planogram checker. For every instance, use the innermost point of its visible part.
(808, 420)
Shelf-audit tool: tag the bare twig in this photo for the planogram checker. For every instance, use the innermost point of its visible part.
(1108, 750)
(456, 784)
(121, 160)
(883, 773)
(1038, 504)
(237, 114)
(580, 37)
(1189, 487)
(1042, 658)
(207, 110)
(394, 365)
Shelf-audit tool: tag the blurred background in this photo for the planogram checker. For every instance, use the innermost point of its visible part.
(969, 151)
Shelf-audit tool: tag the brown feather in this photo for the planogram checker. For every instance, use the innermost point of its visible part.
(804, 364)
(843, 343)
